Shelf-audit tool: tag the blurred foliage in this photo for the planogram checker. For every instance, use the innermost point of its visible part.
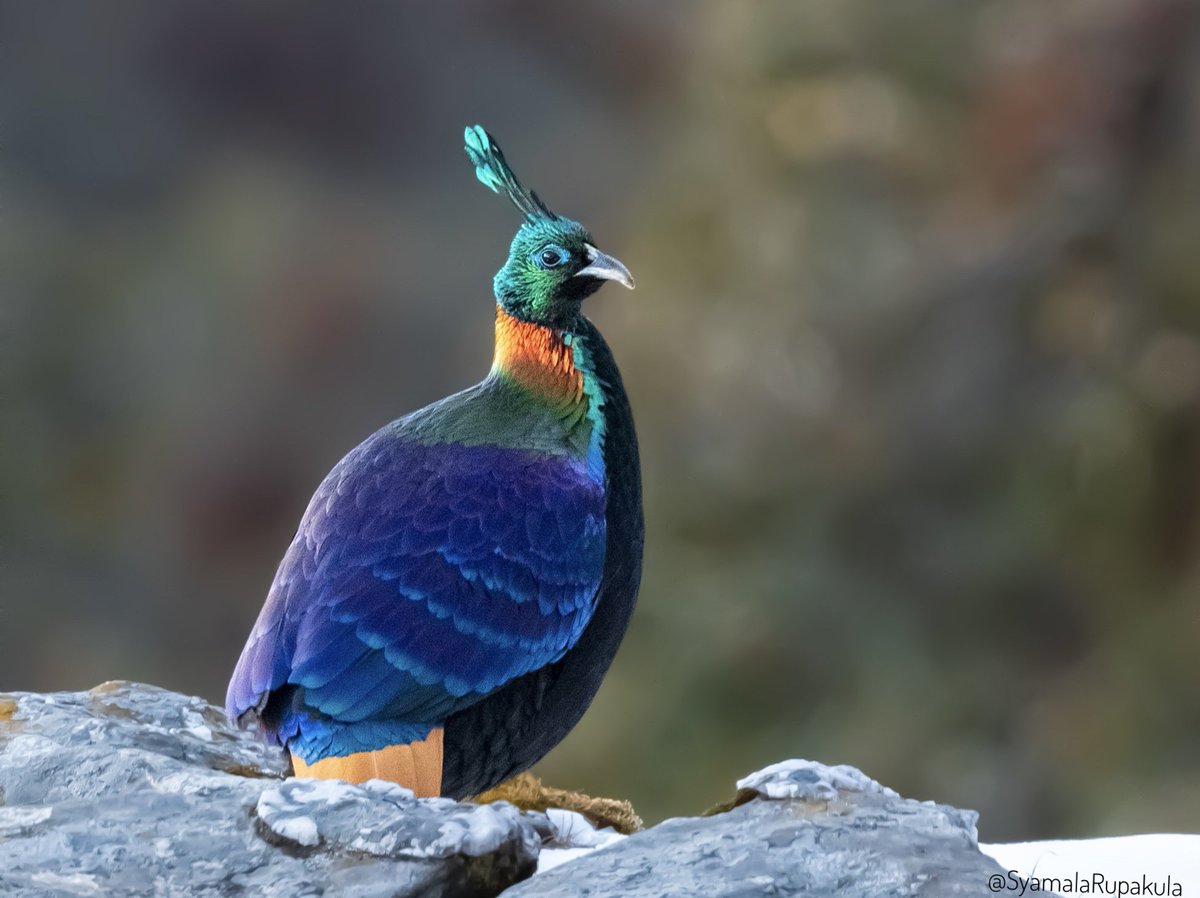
(915, 355)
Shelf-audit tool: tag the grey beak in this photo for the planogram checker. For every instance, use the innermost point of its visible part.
(605, 267)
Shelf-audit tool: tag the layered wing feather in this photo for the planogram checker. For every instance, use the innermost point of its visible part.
(422, 578)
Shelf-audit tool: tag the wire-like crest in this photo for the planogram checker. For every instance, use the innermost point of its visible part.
(493, 171)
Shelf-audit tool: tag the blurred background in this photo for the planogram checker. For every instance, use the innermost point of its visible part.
(915, 358)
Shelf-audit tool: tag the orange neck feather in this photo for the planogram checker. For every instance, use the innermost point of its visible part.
(536, 357)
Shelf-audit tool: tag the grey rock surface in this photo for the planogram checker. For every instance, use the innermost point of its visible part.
(802, 829)
(132, 790)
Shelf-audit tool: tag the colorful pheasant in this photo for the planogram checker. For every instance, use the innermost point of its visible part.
(460, 581)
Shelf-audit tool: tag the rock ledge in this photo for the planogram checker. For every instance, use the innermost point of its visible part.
(136, 791)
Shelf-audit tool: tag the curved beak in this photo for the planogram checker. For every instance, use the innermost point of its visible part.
(604, 267)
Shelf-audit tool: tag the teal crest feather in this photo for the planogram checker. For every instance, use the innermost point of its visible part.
(493, 172)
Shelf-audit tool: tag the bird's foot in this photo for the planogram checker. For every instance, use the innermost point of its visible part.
(528, 793)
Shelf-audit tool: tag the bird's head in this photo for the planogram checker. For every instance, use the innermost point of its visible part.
(553, 263)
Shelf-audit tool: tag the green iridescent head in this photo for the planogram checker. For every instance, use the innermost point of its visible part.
(553, 263)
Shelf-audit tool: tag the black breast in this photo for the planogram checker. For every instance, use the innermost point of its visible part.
(512, 729)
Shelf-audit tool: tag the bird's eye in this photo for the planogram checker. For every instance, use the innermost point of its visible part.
(551, 256)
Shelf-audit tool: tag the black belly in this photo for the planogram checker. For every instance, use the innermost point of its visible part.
(513, 728)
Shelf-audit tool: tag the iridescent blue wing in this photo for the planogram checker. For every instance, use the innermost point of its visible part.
(422, 578)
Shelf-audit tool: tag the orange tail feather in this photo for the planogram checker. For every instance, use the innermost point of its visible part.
(416, 766)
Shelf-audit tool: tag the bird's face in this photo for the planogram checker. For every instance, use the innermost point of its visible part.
(552, 266)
